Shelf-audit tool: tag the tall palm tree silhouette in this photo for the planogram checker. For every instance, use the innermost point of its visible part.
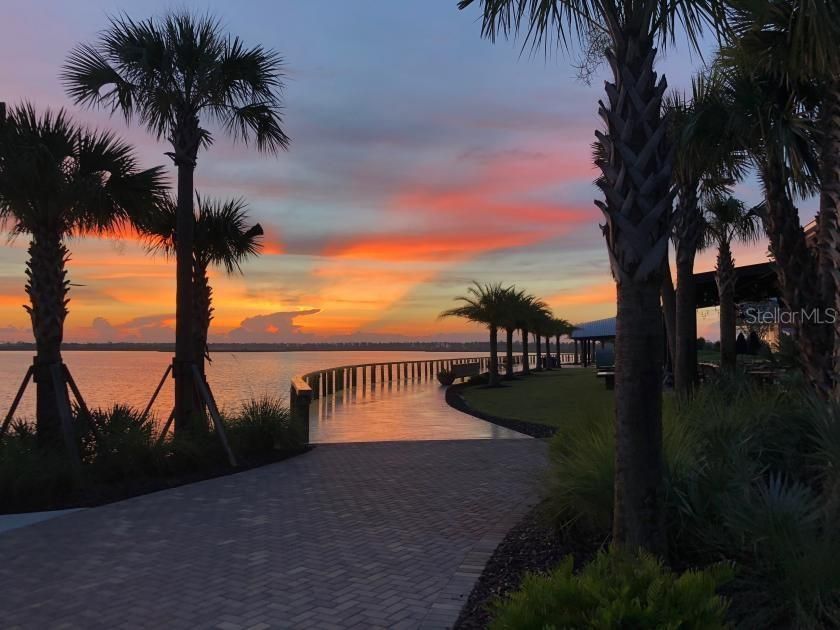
(727, 220)
(636, 162)
(59, 180)
(171, 72)
(223, 238)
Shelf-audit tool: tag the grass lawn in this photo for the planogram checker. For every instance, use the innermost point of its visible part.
(551, 398)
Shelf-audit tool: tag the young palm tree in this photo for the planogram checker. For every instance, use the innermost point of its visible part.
(223, 238)
(59, 180)
(794, 43)
(637, 210)
(484, 304)
(708, 159)
(727, 220)
(170, 73)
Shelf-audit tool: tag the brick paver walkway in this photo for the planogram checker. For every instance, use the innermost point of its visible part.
(389, 535)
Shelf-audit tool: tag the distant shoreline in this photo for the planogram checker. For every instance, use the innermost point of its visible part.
(269, 347)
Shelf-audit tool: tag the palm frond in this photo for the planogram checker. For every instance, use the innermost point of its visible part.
(70, 179)
(168, 71)
(547, 23)
(223, 237)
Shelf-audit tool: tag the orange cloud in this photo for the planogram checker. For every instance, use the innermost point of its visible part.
(597, 294)
(432, 247)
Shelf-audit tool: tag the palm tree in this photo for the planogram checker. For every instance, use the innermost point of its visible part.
(484, 304)
(780, 137)
(637, 209)
(539, 322)
(794, 44)
(514, 299)
(525, 313)
(223, 238)
(170, 73)
(59, 180)
(726, 220)
(560, 328)
(669, 312)
(708, 160)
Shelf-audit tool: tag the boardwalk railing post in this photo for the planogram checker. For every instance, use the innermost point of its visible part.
(300, 397)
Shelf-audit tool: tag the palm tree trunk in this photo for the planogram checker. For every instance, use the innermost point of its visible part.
(538, 351)
(638, 515)
(688, 234)
(47, 287)
(828, 236)
(509, 354)
(796, 268)
(725, 279)
(669, 310)
(526, 360)
(637, 168)
(203, 313)
(493, 376)
(557, 348)
(547, 352)
(184, 318)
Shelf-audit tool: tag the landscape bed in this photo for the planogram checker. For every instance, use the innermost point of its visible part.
(750, 474)
(121, 457)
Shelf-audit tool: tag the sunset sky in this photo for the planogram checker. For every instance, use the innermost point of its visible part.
(422, 157)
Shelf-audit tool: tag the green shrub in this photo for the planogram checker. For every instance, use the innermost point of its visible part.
(446, 377)
(32, 477)
(751, 476)
(119, 443)
(263, 426)
(580, 483)
(616, 590)
(120, 446)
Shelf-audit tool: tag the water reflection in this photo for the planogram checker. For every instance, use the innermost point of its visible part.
(400, 410)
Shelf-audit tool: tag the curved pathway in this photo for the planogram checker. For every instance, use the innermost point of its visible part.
(402, 410)
(387, 535)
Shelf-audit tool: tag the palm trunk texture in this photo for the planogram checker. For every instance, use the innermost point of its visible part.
(688, 234)
(493, 376)
(526, 365)
(796, 268)
(725, 279)
(669, 312)
(637, 167)
(829, 220)
(509, 353)
(186, 147)
(47, 286)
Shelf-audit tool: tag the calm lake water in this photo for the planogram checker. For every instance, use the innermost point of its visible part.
(130, 377)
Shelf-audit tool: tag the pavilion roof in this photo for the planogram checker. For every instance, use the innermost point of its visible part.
(596, 329)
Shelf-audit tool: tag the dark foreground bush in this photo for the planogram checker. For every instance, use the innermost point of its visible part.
(263, 426)
(121, 455)
(751, 477)
(617, 590)
(31, 477)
